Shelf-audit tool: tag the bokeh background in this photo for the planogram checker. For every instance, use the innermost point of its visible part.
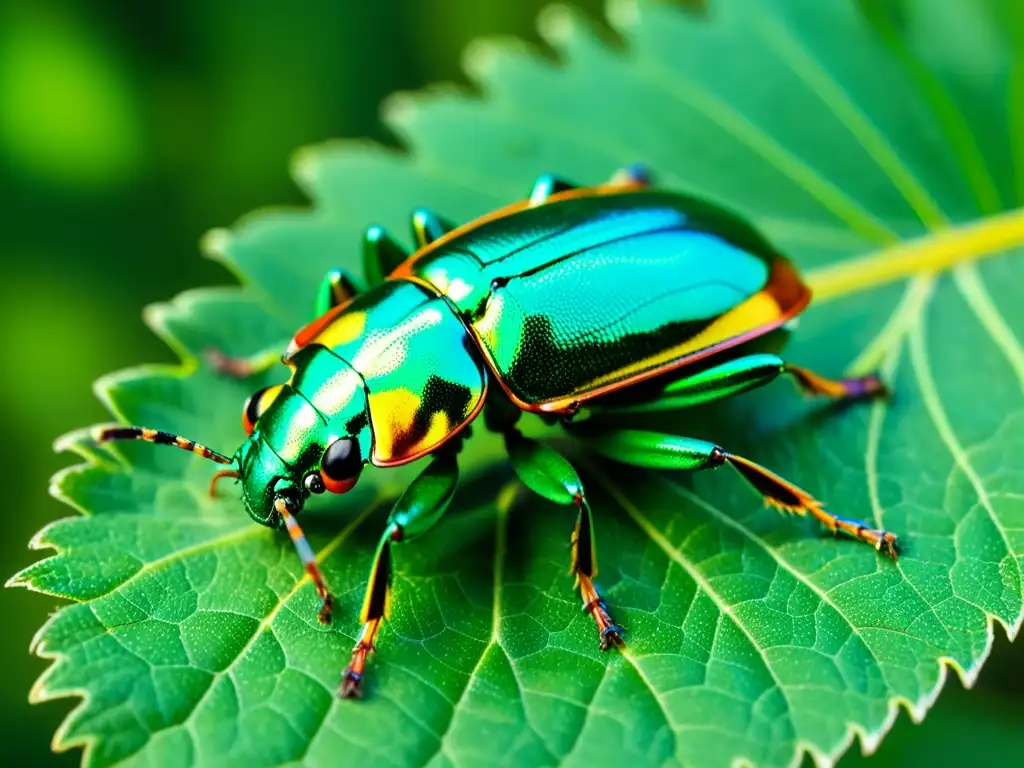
(127, 131)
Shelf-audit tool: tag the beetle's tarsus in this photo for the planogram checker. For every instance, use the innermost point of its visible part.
(787, 497)
(608, 631)
(857, 388)
(352, 677)
(351, 685)
(612, 635)
(326, 609)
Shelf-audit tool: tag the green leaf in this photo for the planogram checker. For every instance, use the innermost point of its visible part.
(883, 151)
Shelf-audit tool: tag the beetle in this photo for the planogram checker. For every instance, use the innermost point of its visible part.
(613, 297)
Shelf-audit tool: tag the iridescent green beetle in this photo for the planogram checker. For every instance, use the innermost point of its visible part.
(615, 297)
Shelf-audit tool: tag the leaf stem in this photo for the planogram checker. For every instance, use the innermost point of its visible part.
(934, 252)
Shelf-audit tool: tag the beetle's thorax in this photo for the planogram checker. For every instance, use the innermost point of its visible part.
(401, 354)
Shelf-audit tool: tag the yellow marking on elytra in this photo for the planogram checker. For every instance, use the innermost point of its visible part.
(395, 411)
(438, 430)
(759, 310)
(391, 411)
(345, 329)
(267, 398)
(936, 251)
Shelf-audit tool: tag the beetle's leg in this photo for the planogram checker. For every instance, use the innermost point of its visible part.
(427, 227)
(242, 368)
(633, 175)
(422, 505)
(854, 388)
(659, 451)
(739, 375)
(217, 477)
(546, 186)
(336, 288)
(381, 255)
(548, 474)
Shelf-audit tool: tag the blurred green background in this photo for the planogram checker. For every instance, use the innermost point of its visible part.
(124, 136)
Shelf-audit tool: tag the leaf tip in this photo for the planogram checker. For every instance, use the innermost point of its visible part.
(214, 244)
(622, 14)
(305, 167)
(479, 59)
(399, 109)
(83, 442)
(555, 23)
(17, 580)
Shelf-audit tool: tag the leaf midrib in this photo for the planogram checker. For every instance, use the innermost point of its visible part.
(936, 251)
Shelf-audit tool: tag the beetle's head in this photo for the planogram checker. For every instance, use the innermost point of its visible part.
(301, 445)
(297, 444)
(267, 480)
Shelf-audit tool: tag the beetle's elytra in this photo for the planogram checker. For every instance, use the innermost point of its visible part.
(613, 298)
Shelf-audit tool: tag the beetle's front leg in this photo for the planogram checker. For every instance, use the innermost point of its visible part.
(548, 474)
(422, 505)
(336, 288)
(654, 450)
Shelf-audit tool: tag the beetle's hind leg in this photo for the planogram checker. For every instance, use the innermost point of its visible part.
(548, 474)
(422, 505)
(654, 450)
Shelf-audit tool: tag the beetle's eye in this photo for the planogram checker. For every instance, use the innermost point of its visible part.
(256, 406)
(314, 483)
(341, 465)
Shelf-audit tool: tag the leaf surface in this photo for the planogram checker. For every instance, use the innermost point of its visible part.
(882, 151)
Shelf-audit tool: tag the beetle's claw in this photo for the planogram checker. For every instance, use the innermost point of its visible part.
(326, 609)
(873, 386)
(887, 544)
(608, 631)
(351, 684)
(612, 635)
(352, 677)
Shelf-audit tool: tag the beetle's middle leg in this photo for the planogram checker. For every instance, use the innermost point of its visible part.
(548, 474)
(633, 175)
(422, 505)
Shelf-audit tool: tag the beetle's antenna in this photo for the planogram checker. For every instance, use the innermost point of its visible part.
(308, 559)
(107, 434)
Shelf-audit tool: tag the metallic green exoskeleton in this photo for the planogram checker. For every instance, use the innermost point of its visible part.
(617, 297)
